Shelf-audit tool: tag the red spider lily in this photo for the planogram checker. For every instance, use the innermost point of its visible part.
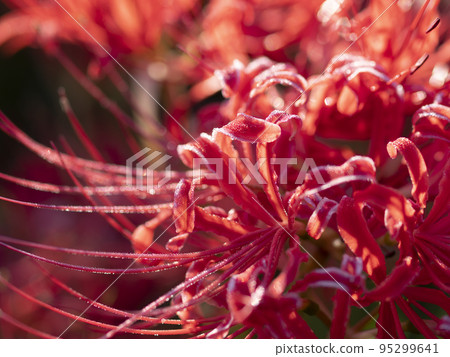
(420, 240)
(249, 247)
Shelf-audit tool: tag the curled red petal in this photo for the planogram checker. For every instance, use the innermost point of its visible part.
(400, 209)
(431, 121)
(395, 284)
(416, 167)
(176, 243)
(333, 278)
(248, 128)
(321, 217)
(353, 229)
(210, 222)
(341, 314)
(183, 207)
(264, 152)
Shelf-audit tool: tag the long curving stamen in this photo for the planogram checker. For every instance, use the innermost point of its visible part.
(185, 284)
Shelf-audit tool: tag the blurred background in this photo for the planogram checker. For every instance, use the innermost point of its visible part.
(29, 84)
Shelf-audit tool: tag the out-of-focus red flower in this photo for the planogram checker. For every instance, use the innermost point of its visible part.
(399, 38)
(283, 30)
(122, 27)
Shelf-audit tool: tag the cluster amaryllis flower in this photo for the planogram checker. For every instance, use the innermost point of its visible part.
(311, 200)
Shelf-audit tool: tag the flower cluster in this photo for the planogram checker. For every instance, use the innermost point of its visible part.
(322, 207)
